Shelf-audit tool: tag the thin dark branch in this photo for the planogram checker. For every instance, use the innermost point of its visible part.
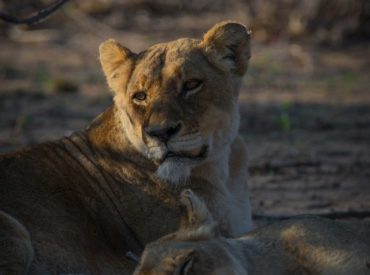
(358, 214)
(279, 166)
(40, 15)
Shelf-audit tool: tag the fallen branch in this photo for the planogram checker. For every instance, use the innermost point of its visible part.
(279, 166)
(40, 15)
(358, 214)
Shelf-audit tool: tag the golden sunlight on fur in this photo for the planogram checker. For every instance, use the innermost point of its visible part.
(302, 245)
(79, 204)
(179, 105)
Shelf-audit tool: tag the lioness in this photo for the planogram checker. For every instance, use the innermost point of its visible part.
(302, 245)
(89, 198)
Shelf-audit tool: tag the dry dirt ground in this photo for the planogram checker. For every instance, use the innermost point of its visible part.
(305, 110)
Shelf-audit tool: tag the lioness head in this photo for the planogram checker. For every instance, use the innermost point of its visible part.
(195, 249)
(178, 100)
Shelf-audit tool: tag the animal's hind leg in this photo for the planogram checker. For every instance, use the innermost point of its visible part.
(16, 252)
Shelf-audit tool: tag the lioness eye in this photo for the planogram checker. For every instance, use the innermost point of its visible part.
(191, 86)
(139, 96)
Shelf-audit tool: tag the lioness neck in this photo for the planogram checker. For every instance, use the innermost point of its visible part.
(215, 170)
(129, 169)
(107, 137)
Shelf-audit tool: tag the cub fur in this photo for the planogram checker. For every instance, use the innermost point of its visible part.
(301, 245)
(88, 199)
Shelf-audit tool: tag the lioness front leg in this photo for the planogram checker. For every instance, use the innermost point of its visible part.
(16, 251)
(238, 184)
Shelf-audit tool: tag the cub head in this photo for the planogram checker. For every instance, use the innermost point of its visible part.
(195, 249)
(177, 101)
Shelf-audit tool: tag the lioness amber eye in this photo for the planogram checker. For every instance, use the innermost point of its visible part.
(191, 85)
(139, 96)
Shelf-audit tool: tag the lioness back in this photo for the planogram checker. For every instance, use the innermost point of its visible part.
(49, 192)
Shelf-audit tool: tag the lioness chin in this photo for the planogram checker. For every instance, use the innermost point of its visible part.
(80, 203)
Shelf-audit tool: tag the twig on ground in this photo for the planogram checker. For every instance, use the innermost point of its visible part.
(358, 214)
(40, 15)
(276, 167)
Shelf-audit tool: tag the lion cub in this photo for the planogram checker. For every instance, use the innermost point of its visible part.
(303, 245)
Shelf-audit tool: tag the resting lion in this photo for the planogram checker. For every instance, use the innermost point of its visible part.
(79, 204)
(298, 246)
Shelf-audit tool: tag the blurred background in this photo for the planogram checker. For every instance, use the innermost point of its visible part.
(305, 100)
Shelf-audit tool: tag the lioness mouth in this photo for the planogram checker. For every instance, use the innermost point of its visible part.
(202, 154)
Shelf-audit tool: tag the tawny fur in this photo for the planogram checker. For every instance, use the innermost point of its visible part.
(301, 245)
(75, 196)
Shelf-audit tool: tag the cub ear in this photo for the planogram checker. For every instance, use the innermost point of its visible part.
(197, 220)
(196, 213)
(117, 63)
(184, 261)
(227, 44)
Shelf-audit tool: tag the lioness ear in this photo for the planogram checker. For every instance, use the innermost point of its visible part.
(117, 63)
(227, 44)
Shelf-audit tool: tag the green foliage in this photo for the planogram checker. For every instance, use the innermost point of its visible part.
(284, 118)
(284, 121)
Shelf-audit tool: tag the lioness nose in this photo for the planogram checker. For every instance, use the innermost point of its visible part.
(165, 132)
